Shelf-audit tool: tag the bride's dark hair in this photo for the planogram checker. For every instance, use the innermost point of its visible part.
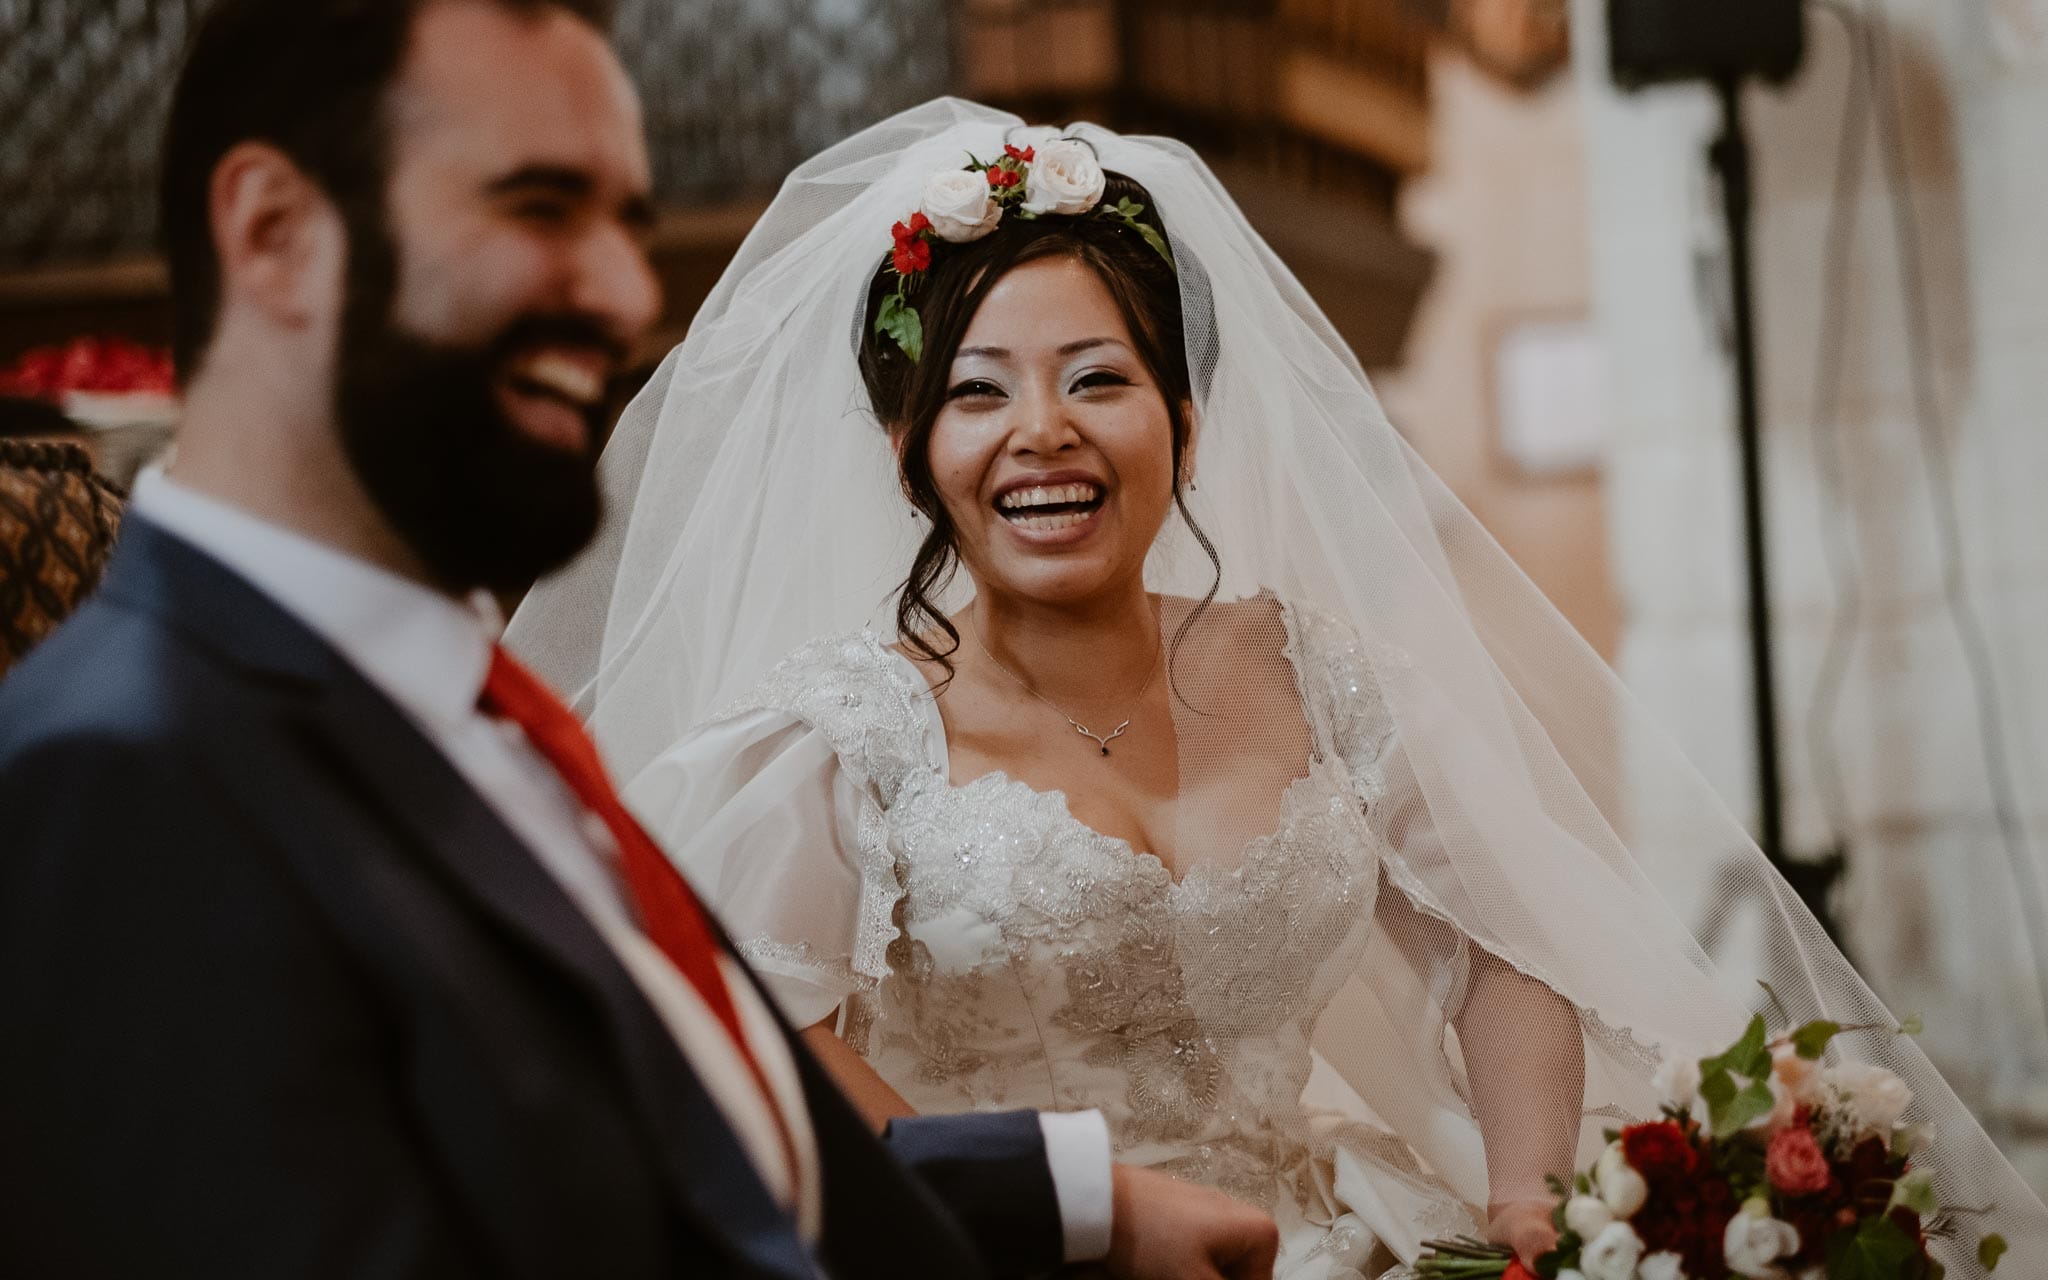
(908, 394)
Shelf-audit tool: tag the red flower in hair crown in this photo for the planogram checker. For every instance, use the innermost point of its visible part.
(1058, 178)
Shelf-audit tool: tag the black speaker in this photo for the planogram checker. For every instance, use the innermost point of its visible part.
(1654, 41)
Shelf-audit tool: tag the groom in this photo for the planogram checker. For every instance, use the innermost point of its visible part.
(325, 946)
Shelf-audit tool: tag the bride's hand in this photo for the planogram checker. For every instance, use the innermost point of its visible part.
(1525, 1227)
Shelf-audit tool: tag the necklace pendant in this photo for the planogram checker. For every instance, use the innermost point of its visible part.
(1101, 739)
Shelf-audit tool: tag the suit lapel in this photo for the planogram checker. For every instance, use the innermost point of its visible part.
(452, 825)
(417, 790)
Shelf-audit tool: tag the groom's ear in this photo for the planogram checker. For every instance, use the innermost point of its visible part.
(279, 239)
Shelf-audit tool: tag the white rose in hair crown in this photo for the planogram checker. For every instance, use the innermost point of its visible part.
(1065, 178)
(958, 205)
(1765, 1165)
(1058, 178)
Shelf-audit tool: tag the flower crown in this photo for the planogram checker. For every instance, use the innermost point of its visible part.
(963, 205)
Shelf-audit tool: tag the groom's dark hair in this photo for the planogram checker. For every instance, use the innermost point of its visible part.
(310, 77)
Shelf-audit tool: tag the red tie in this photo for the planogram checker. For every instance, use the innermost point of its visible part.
(669, 913)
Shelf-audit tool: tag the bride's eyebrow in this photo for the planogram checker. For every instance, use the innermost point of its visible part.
(1073, 348)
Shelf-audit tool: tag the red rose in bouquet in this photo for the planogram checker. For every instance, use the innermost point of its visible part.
(1796, 1165)
(1661, 1152)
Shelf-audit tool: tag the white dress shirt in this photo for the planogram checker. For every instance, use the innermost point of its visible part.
(429, 653)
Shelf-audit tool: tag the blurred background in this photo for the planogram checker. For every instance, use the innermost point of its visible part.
(1533, 264)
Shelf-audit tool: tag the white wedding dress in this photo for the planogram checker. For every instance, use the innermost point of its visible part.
(990, 951)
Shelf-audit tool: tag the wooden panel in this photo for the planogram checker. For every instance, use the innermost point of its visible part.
(1335, 100)
(1364, 273)
(1008, 51)
(132, 298)
(129, 298)
(1384, 36)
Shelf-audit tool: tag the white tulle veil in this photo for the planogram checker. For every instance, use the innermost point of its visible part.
(754, 505)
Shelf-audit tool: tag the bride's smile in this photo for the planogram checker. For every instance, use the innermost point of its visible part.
(1053, 451)
(1055, 509)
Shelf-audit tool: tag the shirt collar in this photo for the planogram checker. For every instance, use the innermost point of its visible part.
(427, 651)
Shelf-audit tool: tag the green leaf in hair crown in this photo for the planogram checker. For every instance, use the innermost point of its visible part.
(1127, 211)
(900, 321)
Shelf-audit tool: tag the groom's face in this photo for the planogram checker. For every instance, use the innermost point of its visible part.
(496, 292)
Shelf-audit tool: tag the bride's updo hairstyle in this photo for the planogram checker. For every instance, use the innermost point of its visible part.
(908, 395)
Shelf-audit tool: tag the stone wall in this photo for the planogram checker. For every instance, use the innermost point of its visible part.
(1939, 917)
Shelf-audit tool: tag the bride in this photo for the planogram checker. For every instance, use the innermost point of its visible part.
(1210, 767)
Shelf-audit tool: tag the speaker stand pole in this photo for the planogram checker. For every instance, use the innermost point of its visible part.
(1730, 157)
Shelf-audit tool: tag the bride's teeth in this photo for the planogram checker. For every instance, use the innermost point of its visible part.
(1062, 520)
(1049, 496)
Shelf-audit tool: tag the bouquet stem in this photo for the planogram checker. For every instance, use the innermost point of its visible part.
(1466, 1258)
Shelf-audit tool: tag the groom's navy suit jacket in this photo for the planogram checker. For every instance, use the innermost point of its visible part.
(281, 996)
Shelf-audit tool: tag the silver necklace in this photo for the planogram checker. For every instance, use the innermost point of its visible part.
(1101, 740)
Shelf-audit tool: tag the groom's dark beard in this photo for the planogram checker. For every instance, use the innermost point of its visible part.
(479, 502)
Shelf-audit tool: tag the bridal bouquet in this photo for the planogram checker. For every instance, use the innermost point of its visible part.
(1766, 1165)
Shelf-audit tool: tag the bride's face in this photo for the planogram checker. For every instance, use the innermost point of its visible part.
(1054, 451)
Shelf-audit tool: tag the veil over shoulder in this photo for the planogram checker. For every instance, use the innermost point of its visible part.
(753, 507)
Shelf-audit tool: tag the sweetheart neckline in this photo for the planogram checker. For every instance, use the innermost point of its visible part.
(913, 685)
(1057, 797)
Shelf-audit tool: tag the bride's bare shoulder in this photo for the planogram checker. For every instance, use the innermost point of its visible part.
(935, 671)
(1227, 626)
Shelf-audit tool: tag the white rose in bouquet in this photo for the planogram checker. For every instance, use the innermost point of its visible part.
(1872, 1096)
(1661, 1266)
(1678, 1080)
(959, 205)
(1755, 1241)
(1587, 1215)
(1065, 177)
(1613, 1254)
(1621, 1187)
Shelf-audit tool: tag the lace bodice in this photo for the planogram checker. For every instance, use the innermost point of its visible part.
(1005, 954)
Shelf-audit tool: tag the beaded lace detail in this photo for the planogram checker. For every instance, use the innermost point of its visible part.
(851, 690)
(1017, 957)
